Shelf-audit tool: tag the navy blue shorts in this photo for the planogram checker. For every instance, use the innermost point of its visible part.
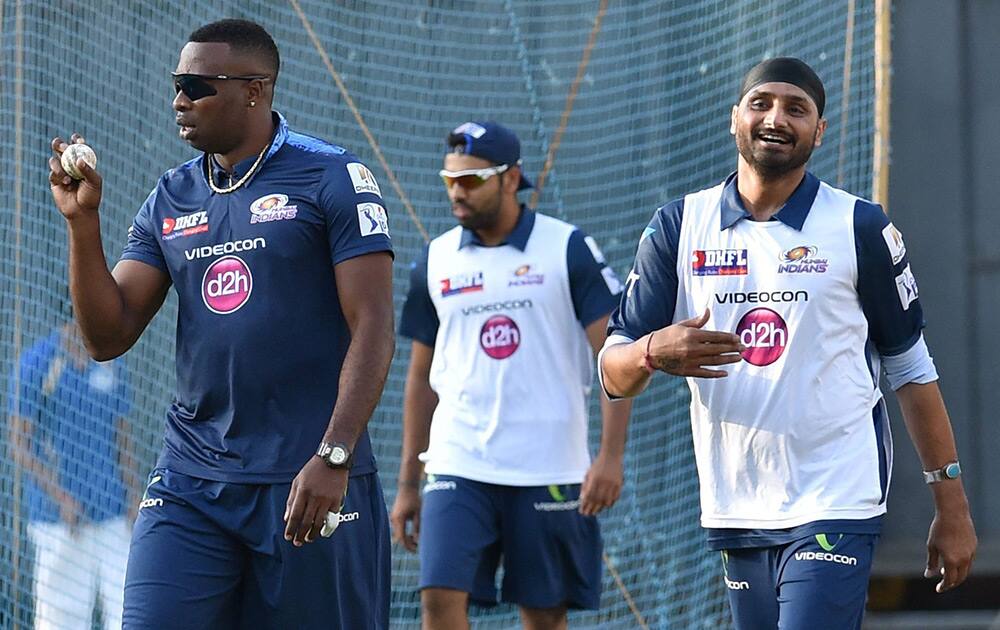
(816, 582)
(551, 553)
(210, 554)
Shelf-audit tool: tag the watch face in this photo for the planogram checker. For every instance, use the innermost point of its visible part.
(338, 455)
(951, 471)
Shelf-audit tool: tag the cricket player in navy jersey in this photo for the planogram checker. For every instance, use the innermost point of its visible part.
(278, 247)
(506, 311)
(782, 299)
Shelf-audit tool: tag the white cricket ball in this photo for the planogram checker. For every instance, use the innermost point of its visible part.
(332, 523)
(73, 154)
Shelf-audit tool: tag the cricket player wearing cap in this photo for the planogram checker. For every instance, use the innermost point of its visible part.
(506, 311)
(781, 299)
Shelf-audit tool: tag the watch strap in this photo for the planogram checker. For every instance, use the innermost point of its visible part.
(951, 470)
(326, 449)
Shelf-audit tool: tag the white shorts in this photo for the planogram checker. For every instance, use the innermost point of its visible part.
(72, 569)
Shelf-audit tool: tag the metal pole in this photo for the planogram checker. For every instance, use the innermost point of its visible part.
(883, 92)
(845, 100)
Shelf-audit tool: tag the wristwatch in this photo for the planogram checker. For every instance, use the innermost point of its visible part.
(335, 454)
(949, 471)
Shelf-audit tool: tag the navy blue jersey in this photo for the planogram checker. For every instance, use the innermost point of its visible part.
(261, 336)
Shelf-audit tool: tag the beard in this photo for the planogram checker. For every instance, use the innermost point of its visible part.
(768, 162)
(482, 217)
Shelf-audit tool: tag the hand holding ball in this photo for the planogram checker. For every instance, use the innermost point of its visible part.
(74, 153)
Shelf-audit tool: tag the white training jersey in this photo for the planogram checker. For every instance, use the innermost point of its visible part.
(512, 365)
(797, 432)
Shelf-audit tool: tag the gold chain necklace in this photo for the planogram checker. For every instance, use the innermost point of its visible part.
(242, 180)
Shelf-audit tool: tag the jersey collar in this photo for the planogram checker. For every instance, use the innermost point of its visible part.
(518, 237)
(280, 135)
(793, 213)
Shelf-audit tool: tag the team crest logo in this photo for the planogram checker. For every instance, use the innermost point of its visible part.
(802, 259)
(525, 276)
(273, 207)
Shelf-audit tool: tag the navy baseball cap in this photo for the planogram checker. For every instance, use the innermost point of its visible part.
(490, 141)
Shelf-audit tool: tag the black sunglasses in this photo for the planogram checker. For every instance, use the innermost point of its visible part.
(196, 86)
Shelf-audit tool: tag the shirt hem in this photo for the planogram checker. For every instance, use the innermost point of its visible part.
(148, 259)
(214, 474)
(361, 250)
(506, 480)
(722, 522)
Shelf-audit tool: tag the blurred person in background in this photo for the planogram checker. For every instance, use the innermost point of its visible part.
(70, 436)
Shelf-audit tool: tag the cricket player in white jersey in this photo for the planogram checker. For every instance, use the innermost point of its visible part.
(506, 311)
(782, 300)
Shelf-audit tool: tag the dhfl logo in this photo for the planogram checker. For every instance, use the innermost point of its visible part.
(765, 334)
(227, 285)
(719, 262)
(500, 337)
(186, 225)
(462, 283)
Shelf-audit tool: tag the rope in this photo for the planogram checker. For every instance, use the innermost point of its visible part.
(361, 121)
(624, 591)
(529, 86)
(581, 70)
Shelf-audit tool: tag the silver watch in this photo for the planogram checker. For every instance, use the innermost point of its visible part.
(335, 454)
(950, 470)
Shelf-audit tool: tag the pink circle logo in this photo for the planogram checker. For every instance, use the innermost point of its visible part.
(765, 334)
(500, 337)
(226, 285)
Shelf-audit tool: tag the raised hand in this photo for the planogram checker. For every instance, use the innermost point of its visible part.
(74, 198)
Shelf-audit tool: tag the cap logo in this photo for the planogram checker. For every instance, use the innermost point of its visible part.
(470, 129)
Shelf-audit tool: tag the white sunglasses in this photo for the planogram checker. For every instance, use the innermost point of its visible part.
(472, 177)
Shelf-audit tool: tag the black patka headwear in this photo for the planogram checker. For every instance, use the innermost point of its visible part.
(786, 70)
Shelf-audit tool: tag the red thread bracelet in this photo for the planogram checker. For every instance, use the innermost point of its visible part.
(647, 362)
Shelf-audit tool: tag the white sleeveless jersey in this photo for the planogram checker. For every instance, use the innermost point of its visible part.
(512, 366)
(805, 393)
(797, 431)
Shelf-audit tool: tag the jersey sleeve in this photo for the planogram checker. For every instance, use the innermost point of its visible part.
(419, 320)
(593, 285)
(356, 221)
(886, 287)
(650, 295)
(142, 244)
